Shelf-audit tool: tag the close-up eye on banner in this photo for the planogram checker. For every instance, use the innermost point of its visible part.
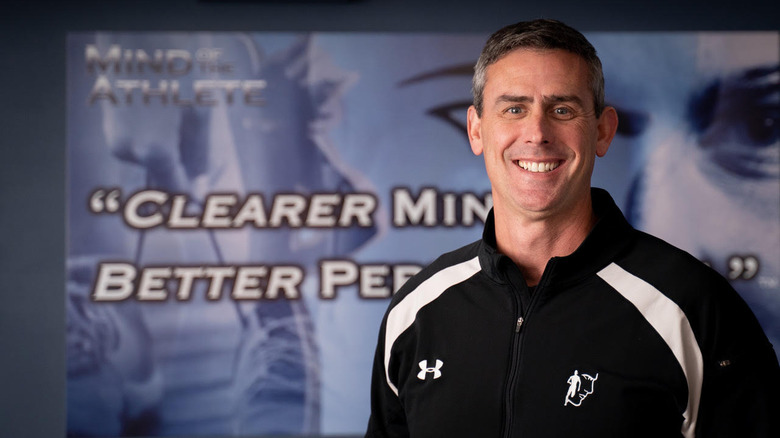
(241, 206)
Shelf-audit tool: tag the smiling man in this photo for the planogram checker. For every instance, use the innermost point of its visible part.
(540, 130)
(488, 340)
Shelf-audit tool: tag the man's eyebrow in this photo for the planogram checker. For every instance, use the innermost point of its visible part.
(511, 98)
(563, 99)
(555, 98)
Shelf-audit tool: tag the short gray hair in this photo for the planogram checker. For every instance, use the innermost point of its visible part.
(541, 34)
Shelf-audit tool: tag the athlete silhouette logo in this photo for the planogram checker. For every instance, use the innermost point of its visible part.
(580, 386)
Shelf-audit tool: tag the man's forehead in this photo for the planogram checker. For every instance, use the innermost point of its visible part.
(524, 72)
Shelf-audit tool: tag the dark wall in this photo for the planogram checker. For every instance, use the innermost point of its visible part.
(32, 132)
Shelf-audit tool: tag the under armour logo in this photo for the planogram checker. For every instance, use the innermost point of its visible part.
(580, 386)
(426, 369)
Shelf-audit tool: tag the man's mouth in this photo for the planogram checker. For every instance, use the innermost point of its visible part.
(538, 167)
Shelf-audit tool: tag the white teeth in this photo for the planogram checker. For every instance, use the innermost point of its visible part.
(534, 166)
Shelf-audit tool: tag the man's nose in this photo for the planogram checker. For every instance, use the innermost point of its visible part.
(537, 129)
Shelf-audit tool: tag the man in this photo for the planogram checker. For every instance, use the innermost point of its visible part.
(484, 341)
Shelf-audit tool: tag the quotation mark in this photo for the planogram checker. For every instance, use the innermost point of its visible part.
(743, 267)
(105, 201)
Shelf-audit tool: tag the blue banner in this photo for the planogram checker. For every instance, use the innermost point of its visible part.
(241, 206)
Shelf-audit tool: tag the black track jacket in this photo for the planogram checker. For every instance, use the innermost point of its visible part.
(626, 337)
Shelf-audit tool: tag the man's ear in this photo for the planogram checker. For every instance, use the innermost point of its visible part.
(474, 130)
(607, 127)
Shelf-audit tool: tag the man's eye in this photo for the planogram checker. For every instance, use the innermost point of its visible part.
(513, 110)
(563, 113)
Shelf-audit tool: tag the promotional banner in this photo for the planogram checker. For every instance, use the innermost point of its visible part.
(241, 206)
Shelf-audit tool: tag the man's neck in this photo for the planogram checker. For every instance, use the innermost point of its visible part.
(532, 242)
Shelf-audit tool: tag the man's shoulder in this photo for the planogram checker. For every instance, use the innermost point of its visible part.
(657, 258)
(449, 261)
(688, 281)
(720, 318)
(697, 289)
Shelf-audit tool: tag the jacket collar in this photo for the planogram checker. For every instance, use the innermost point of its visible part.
(610, 236)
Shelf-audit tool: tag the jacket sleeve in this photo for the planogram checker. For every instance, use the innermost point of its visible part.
(388, 418)
(741, 388)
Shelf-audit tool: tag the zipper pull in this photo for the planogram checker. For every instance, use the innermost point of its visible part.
(519, 324)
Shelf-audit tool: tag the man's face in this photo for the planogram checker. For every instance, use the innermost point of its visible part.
(539, 132)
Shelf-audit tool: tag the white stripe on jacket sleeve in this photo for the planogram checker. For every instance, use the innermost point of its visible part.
(404, 313)
(670, 322)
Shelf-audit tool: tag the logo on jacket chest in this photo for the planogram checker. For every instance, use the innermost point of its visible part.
(580, 387)
(425, 369)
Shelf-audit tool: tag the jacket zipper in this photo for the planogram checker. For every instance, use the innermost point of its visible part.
(514, 366)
